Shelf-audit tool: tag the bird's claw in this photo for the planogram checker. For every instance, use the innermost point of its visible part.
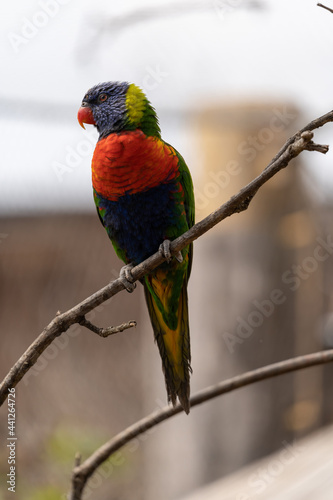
(179, 257)
(165, 251)
(127, 278)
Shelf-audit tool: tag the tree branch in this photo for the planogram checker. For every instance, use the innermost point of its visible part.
(82, 472)
(299, 142)
(324, 7)
(105, 332)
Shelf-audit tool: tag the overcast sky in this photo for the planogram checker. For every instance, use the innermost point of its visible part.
(52, 51)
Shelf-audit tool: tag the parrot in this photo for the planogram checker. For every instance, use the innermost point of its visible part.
(143, 192)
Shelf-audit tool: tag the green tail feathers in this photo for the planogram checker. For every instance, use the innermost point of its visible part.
(173, 342)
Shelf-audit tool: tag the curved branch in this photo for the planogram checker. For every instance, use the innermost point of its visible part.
(82, 472)
(299, 142)
(324, 7)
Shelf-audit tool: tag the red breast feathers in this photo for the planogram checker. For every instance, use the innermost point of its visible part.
(131, 162)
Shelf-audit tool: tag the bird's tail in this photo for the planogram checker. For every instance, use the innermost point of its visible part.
(173, 344)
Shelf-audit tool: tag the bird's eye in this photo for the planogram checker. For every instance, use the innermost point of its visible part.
(102, 97)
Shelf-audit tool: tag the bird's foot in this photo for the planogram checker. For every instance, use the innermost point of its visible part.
(165, 251)
(127, 278)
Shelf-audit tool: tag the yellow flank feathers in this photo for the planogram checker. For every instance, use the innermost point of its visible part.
(172, 341)
(162, 287)
(135, 103)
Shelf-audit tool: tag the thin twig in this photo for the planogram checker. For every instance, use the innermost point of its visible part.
(82, 472)
(105, 332)
(237, 203)
(321, 148)
(77, 459)
(324, 7)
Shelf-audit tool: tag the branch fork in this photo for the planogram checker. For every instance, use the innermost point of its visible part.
(105, 332)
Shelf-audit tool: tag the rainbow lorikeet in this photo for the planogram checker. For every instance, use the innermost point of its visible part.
(144, 198)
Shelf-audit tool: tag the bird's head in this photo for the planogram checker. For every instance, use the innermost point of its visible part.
(114, 107)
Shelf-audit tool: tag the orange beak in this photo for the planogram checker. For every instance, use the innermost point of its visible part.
(85, 115)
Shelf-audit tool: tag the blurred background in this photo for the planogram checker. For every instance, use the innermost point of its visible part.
(231, 81)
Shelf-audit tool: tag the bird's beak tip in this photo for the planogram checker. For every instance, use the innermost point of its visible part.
(85, 115)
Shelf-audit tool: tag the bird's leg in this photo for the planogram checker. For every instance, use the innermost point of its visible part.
(165, 251)
(127, 278)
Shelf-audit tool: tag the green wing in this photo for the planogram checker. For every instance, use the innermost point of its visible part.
(187, 184)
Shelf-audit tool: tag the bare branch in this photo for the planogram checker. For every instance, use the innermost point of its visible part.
(299, 142)
(321, 148)
(77, 460)
(324, 7)
(105, 332)
(82, 472)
